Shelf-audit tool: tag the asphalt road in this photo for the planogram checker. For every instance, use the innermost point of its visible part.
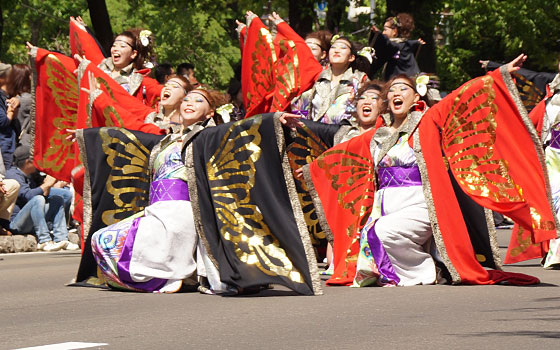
(37, 309)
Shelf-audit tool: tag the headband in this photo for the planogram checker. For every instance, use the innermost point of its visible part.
(126, 42)
(407, 84)
(201, 94)
(181, 85)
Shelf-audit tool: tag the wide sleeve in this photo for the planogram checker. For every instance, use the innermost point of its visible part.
(492, 150)
(341, 183)
(111, 105)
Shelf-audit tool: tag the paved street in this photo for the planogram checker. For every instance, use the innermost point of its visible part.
(36, 308)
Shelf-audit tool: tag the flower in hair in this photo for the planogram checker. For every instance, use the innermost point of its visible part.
(422, 84)
(145, 37)
(367, 52)
(224, 111)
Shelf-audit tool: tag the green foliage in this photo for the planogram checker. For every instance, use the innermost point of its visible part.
(202, 31)
(42, 22)
(498, 31)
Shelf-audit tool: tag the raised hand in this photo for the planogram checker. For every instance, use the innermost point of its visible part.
(516, 63)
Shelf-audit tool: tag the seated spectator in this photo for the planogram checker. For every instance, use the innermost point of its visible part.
(38, 205)
(8, 195)
(187, 70)
(163, 72)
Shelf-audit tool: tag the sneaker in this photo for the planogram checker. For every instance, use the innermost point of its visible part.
(67, 245)
(49, 246)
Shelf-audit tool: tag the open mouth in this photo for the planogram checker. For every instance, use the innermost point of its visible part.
(397, 102)
(188, 110)
(166, 95)
(366, 111)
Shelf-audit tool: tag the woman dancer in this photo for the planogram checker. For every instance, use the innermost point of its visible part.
(171, 97)
(415, 198)
(126, 65)
(329, 101)
(130, 254)
(393, 47)
(319, 42)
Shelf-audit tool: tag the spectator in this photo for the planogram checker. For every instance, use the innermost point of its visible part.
(38, 205)
(8, 195)
(8, 109)
(162, 72)
(187, 70)
(4, 71)
(19, 87)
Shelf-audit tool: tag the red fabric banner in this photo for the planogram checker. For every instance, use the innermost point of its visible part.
(56, 105)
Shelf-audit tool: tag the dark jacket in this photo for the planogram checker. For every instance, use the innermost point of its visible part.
(398, 54)
(7, 134)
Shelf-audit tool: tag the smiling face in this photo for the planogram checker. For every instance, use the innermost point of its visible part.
(340, 53)
(315, 46)
(400, 97)
(368, 108)
(173, 93)
(122, 52)
(195, 107)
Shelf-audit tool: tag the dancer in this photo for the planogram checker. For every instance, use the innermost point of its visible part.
(320, 42)
(410, 197)
(393, 48)
(130, 254)
(174, 91)
(330, 99)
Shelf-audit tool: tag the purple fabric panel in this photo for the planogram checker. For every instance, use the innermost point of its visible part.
(399, 177)
(380, 256)
(169, 190)
(301, 112)
(554, 139)
(123, 265)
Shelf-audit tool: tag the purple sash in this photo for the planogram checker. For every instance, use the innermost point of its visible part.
(399, 177)
(169, 190)
(554, 139)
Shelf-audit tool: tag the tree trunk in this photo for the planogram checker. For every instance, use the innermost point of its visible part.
(101, 23)
(300, 13)
(335, 10)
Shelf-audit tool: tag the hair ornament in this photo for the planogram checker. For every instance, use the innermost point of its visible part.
(224, 111)
(367, 52)
(145, 37)
(335, 38)
(422, 84)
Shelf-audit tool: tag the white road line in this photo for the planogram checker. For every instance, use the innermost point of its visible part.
(64, 346)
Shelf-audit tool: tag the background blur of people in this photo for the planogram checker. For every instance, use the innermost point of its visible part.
(162, 72)
(187, 70)
(235, 97)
